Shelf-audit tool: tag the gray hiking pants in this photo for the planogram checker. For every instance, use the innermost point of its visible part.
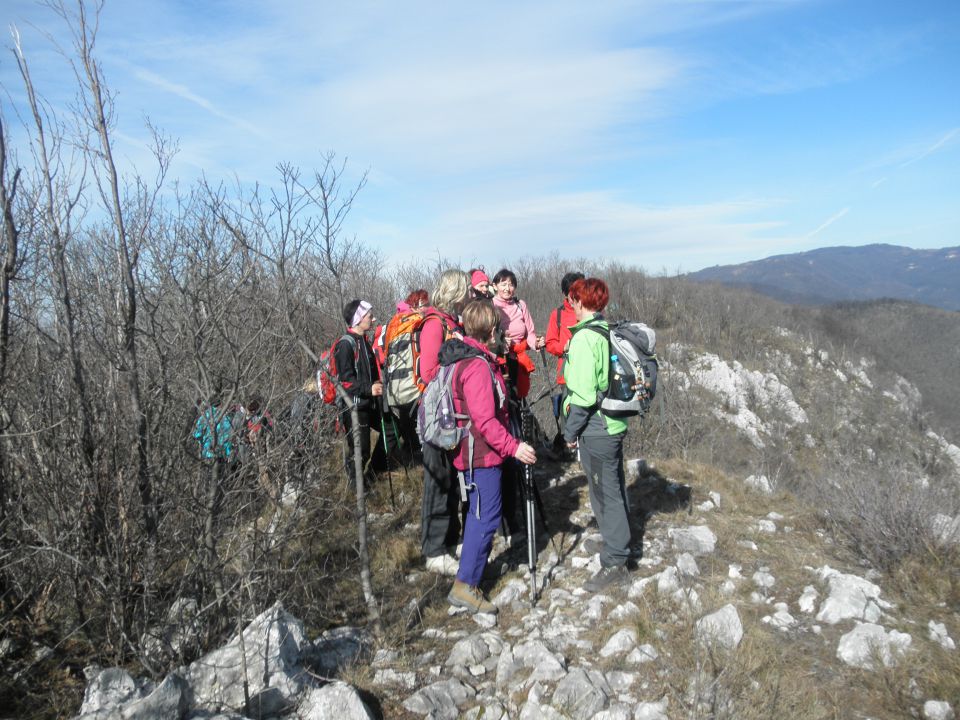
(602, 460)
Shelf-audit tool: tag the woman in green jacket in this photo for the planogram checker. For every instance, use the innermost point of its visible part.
(599, 438)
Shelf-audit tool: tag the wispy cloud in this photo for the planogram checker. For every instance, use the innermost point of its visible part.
(588, 223)
(938, 145)
(828, 222)
(185, 93)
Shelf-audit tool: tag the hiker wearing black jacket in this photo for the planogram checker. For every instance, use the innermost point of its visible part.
(358, 372)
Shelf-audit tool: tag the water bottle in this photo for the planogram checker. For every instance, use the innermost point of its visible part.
(447, 421)
(621, 386)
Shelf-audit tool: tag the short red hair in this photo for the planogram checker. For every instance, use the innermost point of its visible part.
(592, 293)
(417, 298)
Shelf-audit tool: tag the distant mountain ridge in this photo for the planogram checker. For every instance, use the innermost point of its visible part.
(836, 274)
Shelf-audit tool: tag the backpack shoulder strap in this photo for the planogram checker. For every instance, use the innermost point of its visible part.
(559, 311)
(596, 327)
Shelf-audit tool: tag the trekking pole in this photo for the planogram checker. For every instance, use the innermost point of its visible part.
(529, 490)
(386, 452)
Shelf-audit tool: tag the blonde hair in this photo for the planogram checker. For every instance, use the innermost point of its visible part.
(453, 288)
(480, 317)
(310, 386)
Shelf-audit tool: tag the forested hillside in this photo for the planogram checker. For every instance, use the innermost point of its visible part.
(836, 274)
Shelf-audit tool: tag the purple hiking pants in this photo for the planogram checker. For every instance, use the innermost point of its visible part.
(478, 533)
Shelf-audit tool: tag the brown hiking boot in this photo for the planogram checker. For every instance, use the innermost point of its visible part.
(470, 597)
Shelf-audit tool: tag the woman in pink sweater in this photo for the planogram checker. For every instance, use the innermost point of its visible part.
(479, 392)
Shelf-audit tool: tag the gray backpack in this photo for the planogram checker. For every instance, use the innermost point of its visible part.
(633, 368)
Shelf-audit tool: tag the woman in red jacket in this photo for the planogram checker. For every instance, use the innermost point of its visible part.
(558, 336)
(479, 392)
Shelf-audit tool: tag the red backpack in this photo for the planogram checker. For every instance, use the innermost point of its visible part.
(328, 369)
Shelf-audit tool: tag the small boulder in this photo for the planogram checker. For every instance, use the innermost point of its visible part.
(759, 483)
(722, 628)
(695, 539)
(867, 641)
(333, 700)
(937, 710)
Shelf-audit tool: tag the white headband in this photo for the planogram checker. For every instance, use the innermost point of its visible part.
(362, 309)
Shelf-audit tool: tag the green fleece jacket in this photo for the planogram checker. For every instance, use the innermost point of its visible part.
(586, 374)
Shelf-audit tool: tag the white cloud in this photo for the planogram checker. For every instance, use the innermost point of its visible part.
(600, 224)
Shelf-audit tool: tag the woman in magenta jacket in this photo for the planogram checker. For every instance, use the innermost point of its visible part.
(479, 392)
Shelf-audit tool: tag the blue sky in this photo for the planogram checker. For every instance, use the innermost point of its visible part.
(672, 134)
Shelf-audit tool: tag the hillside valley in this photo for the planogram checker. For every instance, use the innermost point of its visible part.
(838, 274)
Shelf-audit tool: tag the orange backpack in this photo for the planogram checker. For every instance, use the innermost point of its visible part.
(448, 332)
(399, 384)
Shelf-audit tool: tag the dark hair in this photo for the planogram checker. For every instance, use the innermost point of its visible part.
(417, 298)
(569, 279)
(504, 274)
(592, 293)
(348, 310)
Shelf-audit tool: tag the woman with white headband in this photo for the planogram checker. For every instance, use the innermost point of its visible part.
(359, 374)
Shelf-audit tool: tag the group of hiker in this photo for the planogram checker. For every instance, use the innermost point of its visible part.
(452, 369)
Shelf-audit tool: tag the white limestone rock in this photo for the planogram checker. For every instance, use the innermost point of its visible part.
(938, 633)
(333, 700)
(861, 645)
(623, 612)
(808, 600)
(620, 642)
(390, 677)
(766, 526)
(110, 688)
(728, 588)
(491, 711)
(937, 710)
(764, 580)
(667, 581)
(547, 665)
(781, 619)
(687, 565)
(695, 539)
(512, 592)
(263, 663)
(621, 682)
(536, 709)
(651, 710)
(638, 586)
(578, 697)
(760, 484)
(850, 597)
(441, 700)
(643, 654)
(722, 628)
(594, 609)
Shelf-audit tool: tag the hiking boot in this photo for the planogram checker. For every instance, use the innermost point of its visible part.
(443, 565)
(592, 546)
(470, 597)
(607, 577)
